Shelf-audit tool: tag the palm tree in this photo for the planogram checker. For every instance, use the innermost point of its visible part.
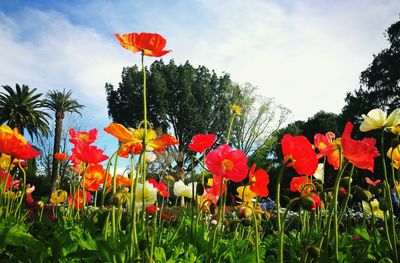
(60, 103)
(21, 108)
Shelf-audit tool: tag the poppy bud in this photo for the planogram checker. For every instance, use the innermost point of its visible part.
(383, 204)
(364, 195)
(119, 198)
(40, 204)
(200, 189)
(307, 202)
(313, 251)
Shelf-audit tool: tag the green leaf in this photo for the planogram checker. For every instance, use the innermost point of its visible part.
(362, 233)
(159, 255)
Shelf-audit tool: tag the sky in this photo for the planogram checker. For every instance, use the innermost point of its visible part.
(305, 54)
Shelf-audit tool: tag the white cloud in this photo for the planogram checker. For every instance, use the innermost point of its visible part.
(305, 54)
(48, 52)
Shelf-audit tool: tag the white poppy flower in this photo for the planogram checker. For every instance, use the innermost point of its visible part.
(180, 189)
(376, 119)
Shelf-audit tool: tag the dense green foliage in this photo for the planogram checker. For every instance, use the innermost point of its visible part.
(380, 82)
(182, 100)
(22, 108)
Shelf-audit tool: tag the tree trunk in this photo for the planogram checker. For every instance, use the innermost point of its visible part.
(56, 149)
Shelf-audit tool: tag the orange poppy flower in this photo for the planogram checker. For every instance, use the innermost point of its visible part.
(359, 153)
(299, 154)
(132, 139)
(120, 180)
(61, 156)
(227, 162)
(149, 43)
(15, 145)
(328, 146)
(201, 142)
(94, 176)
(259, 180)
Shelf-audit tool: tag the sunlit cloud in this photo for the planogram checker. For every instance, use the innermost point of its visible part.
(306, 55)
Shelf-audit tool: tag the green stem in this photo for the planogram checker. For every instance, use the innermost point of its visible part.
(278, 215)
(389, 197)
(257, 236)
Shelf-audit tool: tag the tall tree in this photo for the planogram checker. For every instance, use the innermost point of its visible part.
(22, 108)
(181, 99)
(260, 119)
(60, 103)
(380, 82)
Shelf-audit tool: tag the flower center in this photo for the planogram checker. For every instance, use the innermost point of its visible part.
(227, 164)
(84, 137)
(289, 160)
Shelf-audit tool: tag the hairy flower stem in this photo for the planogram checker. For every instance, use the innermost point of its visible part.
(134, 246)
(278, 215)
(142, 160)
(389, 198)
(257, 236)
(333, 212)
(17, 213)
(103, 193)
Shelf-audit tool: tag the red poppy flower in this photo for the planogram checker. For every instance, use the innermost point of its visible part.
(259, 180)
(60, 156)
(317, 201)
(6, 179)
(28, 195)
(82, 137)
(373, 183)
(359, 153)
(201, 142)
(77, 200)
(299, 154)
(149, 43)
(151, 209)
(342, 191)
(161, 187)
(297, 183)
(87, 154)
(94, 176)
(328, 146)
(228, 163)
(216, 186)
